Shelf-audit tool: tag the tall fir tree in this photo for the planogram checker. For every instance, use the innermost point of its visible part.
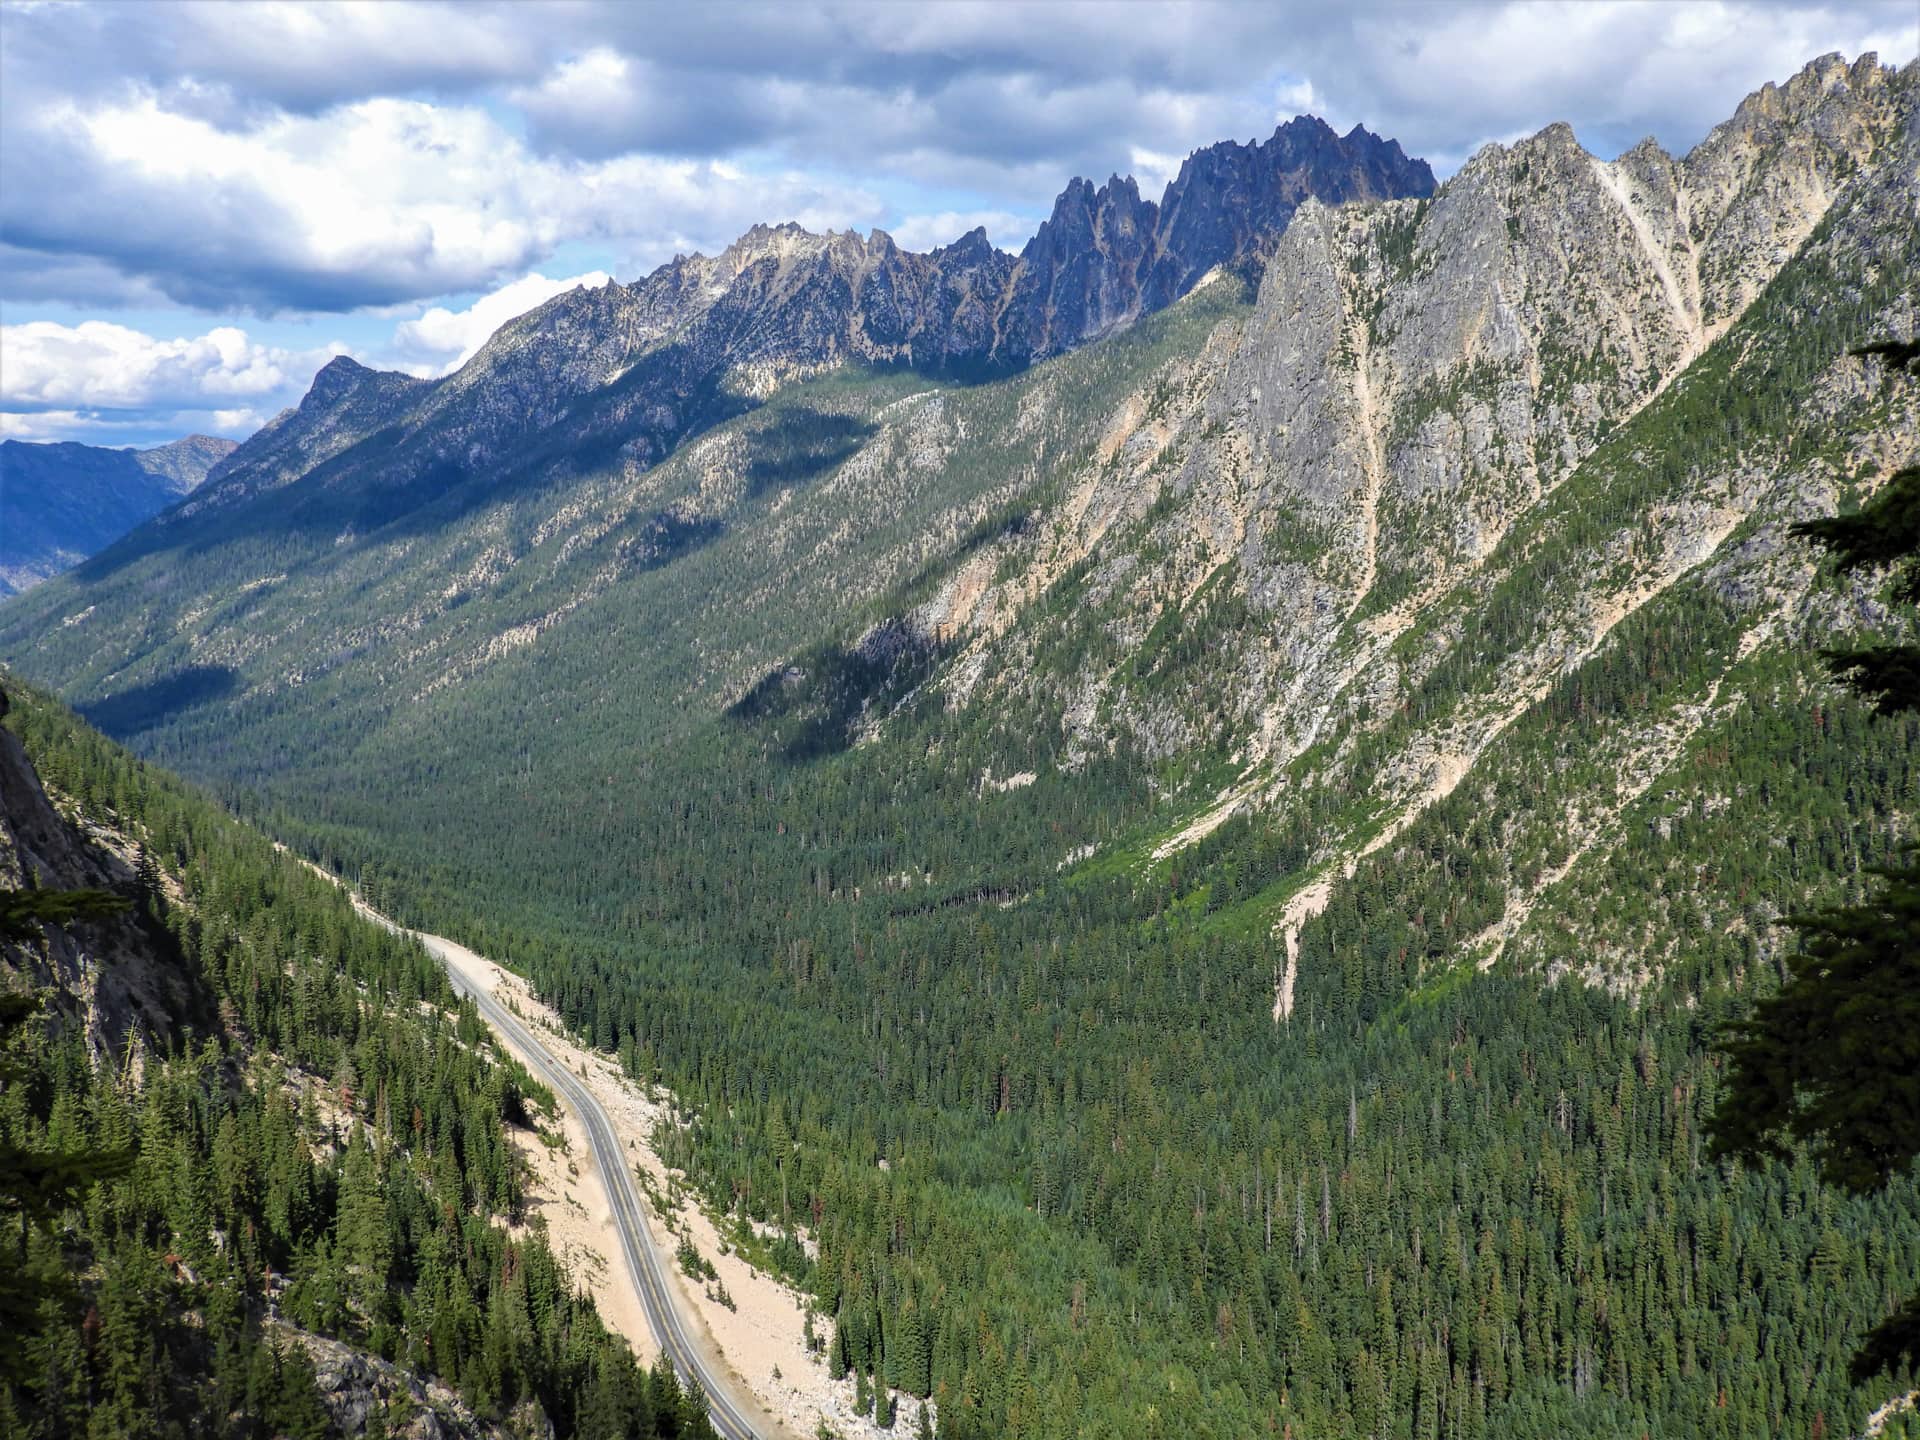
(1832, 1060)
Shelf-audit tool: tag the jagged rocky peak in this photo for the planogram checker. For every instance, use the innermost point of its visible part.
(631, 365)
(1416, 380)
(791, 244)
(974, 246)
(346, 403)
(1112, 222)
(970, 252)
(1080, 274)
(1705, 231)
(344, 383)
(1081, 211)
(1231, 200)
(1106, 256)
(787, 241)
(334, 379)
(1773, 105)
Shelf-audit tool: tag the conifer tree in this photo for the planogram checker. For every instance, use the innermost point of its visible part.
(1832, 1061)
(36, 1184)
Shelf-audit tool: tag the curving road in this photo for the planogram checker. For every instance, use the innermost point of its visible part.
(645, 1262)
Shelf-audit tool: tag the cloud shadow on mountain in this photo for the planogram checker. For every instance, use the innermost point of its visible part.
(130, 712)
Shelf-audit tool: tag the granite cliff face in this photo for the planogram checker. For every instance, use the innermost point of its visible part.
(1454, 448)
(1105, 257)
(61, 503)
(1416, 378)
(1232, 202)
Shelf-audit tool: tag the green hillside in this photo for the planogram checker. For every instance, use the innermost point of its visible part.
(330, 1158)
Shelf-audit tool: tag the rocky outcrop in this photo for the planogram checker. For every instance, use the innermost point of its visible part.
(1415, 378)
(1231, 203)
(1105, 257)
(366, 1395)
(1084, 271)
(120, 980)
(346, 403)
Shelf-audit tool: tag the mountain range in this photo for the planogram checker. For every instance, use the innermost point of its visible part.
(1184, 803)
(59, 503)
(627, 371)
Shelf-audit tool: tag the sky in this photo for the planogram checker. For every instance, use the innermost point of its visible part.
(200, 203)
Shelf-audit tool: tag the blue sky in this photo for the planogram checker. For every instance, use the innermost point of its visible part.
(201, 202)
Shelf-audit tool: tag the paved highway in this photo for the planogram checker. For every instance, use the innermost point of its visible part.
(645, 1263)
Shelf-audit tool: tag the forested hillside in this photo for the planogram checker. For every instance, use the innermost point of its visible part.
(1205, 873)
(318, 1148)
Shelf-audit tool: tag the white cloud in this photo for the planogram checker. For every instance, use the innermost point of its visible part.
(380, 201)
(1154, 170)
(440, 341)
(1006, 230)
(238, 423)
(144, 428)
(1298, 97)
(1444, 81)
(43, 425)
(99, 366)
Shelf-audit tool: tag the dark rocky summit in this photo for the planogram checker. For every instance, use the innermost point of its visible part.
(1230, 202)
(1105, 257)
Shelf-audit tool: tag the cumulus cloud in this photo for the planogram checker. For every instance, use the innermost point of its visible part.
(1154, 170)
(42, 425)
(1446, 79)
(378, 202)
(300, 55)
(1006, 230)
(96, 366)
(112, 384)
(154, 427)
(442, 340)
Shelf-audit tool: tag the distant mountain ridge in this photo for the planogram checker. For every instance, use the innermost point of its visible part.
(60, 503)
(633, 369)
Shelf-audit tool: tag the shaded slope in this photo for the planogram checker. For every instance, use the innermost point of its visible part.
(61, 503)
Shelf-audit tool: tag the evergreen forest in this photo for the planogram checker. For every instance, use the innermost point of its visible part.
(330, 1156)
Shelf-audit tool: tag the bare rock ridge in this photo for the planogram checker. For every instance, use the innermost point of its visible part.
(1230, 202)
(346, 402)
(1418, 381)
(634, 368)
(1107, 256)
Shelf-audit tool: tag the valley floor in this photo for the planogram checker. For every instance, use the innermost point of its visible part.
(757, 1344)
